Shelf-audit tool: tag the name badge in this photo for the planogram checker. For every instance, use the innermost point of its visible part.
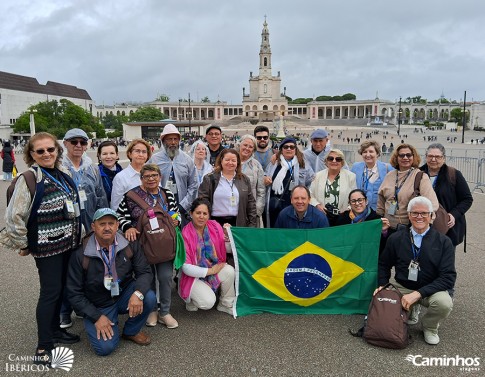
(413, 271)
(172, 187)
(292, 185)
(232, 201)
(392, 208)
(107, 281)
(115, 289)
(82, 196)
(154, 223)
(77, 211)
(69, 209)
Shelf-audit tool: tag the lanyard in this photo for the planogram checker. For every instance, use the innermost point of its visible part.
(60, 183)
(398, 188)
(290, 168)
(231, 184)
(108, 261)
(366, 177)
(162, 202)
(416, 250)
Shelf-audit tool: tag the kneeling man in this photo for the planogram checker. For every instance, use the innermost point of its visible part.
(301, 215)
(108, 276)
(424, 263)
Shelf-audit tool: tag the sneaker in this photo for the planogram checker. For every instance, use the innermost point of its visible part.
(43, 357)
(414, 314)
(66, 323)
(64, 337)
(431, 337)
(225, 309)
(152, 319)
(190, 307)
(168, 321)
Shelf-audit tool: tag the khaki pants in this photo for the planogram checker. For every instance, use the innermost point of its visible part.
(439, 307)
(203, 297)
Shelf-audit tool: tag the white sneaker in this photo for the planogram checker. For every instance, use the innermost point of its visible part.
(225, 309)
(168, 321)
(152, 319)
(431, 337)
(414, 314)
(190, 307)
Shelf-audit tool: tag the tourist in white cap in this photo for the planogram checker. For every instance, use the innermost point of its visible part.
(177, 168)
(318, 150)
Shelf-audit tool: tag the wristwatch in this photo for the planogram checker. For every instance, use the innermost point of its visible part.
(139, 295)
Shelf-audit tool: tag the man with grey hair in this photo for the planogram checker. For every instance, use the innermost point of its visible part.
(177, 168)
(424, 263)
(318, 150)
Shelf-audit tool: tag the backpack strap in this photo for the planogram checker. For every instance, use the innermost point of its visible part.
(452, 174)
(417, 182)
(137, 199)
(31, 181)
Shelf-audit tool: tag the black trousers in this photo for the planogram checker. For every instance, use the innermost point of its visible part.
(52, 277)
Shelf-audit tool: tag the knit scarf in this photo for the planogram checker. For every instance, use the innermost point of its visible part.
(278, 186)
(361, 217)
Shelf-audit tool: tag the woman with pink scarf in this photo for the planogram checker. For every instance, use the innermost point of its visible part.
(205, 269)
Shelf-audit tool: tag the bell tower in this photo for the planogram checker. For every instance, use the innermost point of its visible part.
(265, 52)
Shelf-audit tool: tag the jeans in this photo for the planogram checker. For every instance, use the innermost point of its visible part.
(163, 275)
(133, 325)
(52, 277)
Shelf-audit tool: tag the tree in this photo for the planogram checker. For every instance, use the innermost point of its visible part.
(349, 97)
(147, 114)
(114, 122)
(57, 118)
(163, 98)
(456, 115)
(205, 99)
(298, 101)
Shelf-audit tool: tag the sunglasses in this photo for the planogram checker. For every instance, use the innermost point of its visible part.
(40, 152)
(262, 137)
(286, 146)
(407, 155)
(338, 159)
(76, 142)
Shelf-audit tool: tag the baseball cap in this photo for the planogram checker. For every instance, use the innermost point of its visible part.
(76, 132)
(102, 212)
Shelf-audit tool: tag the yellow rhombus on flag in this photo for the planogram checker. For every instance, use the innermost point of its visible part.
(307, 275)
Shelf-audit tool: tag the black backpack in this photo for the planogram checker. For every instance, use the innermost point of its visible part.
(387, 321)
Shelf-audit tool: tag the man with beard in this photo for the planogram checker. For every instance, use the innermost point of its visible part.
(213, 136)
(178, 170)
(263, 152)
(315, 155)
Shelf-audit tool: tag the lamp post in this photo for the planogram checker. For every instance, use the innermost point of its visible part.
(189, 113)
(179, 113)
(399, 114)
(32, 122)
(464, 120)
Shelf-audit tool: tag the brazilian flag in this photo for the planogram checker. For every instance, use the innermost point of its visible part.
(297, 271)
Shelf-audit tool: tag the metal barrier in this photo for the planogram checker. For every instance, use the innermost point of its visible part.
(472, 168)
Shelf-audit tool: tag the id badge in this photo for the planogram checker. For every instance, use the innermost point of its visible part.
(172, 187)
(292, 185)
(108, 280)
(232, 201)
(154, 223)
(413, 271)
(392, 208)
(82, 196)
(77, 211)
(68, 210)
(115, 289)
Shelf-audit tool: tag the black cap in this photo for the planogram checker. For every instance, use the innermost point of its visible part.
(212, 126)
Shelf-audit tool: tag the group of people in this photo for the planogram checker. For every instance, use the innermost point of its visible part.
(189, 200)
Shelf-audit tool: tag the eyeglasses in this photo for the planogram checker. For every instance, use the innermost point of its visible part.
(151, 176)
(76, 142)
(139, 151)
(338, 159)
(407, 155)
(422, 214)
(40, 152)
(214, 134)
(359, 201)
(437, 158)
(262, 137)
(286, 146)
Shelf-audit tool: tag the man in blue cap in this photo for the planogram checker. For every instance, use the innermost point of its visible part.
(320, 146)
(109, 276)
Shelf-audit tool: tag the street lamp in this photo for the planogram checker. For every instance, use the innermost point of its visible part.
(32, 122)
(189, 114)
(399, 113)
(179, 113)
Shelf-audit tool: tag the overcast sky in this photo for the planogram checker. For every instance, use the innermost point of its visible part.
(121, 50)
